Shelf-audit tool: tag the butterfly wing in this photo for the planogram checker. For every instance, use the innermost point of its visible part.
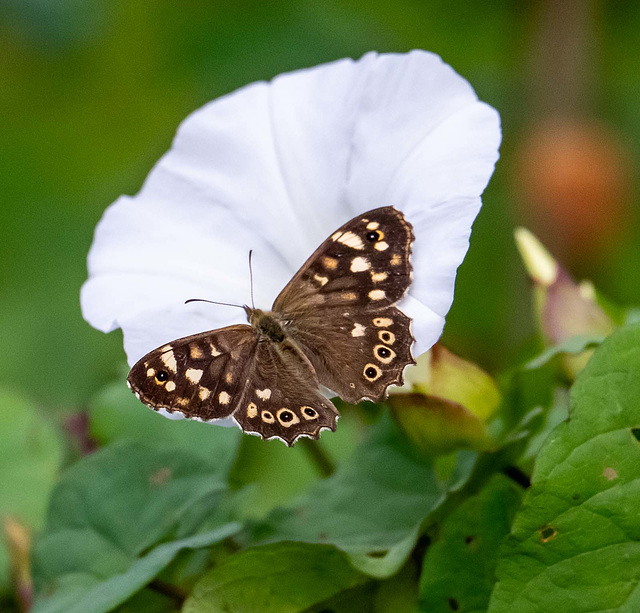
(283, 399)
(269, 389)
(201, 376)
(340, 306)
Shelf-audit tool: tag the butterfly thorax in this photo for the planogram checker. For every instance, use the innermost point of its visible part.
(268, 326)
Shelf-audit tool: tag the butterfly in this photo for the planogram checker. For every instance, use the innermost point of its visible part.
(333, 325)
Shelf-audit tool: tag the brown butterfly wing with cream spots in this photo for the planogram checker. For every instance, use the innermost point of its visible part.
(334, 324)
(283, 398)
(270, 389)
(201, 376)
(340, 305)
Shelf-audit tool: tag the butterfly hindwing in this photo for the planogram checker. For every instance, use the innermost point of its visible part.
(340, 305)
(358, 354)
(201, 376)
(282, 397)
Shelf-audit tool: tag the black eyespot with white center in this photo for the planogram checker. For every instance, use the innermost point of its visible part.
(372, 236)
(309, 413)
(287, 418)
(372, 372)
(162, 375)
(384, 354)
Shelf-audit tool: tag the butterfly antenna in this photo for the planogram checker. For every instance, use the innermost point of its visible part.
(239, 306)
(253, 304)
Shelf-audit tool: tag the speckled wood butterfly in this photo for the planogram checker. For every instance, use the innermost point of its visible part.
(334, 324)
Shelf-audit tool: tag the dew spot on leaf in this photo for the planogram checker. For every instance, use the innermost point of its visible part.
(610, 473)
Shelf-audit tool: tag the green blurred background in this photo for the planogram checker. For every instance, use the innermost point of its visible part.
(91, 94)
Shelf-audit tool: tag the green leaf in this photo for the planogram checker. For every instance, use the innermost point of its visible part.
(575, 544)
(458, 569)
(117, 415)
(574, 345)
(95, 595)
(278, 578)
(106, 516)
(30, 456)
(372, 508)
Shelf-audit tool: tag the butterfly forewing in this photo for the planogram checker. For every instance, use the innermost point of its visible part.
(340, 305)
(202, 376)
(363, 264)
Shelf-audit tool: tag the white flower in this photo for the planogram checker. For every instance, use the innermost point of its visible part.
(276, 167)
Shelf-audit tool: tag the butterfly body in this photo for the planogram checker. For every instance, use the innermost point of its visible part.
(334, 324)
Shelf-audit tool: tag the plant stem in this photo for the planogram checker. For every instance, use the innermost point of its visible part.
(318, 457)
(170, 591)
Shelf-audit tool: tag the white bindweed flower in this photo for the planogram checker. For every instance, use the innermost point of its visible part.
(276, 167)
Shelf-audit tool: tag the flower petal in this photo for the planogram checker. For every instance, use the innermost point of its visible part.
(276, 168)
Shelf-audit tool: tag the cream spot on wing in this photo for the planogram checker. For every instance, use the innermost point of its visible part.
(387, 337)
(335, 236)
(166, 348)
(214, 351)
(264, 394)
(196, 352)
(360, 264)
(128, 384)
(374, 225)
(267, 417)
(183, 402)
(169, 360)
(382, 322)
(204, 393)
(320, 279)
(329, 263)
(193, 374)
(309, 413)
(379, 276)
(170, 386)
(224, 398)
(396, 260)
(252, 410)
(229, 377)
(377, 294)
(381, 246)
(287, 418)
(358, 330)
(349, 296)
(384, 354)
(151, 372)
(351, 240)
